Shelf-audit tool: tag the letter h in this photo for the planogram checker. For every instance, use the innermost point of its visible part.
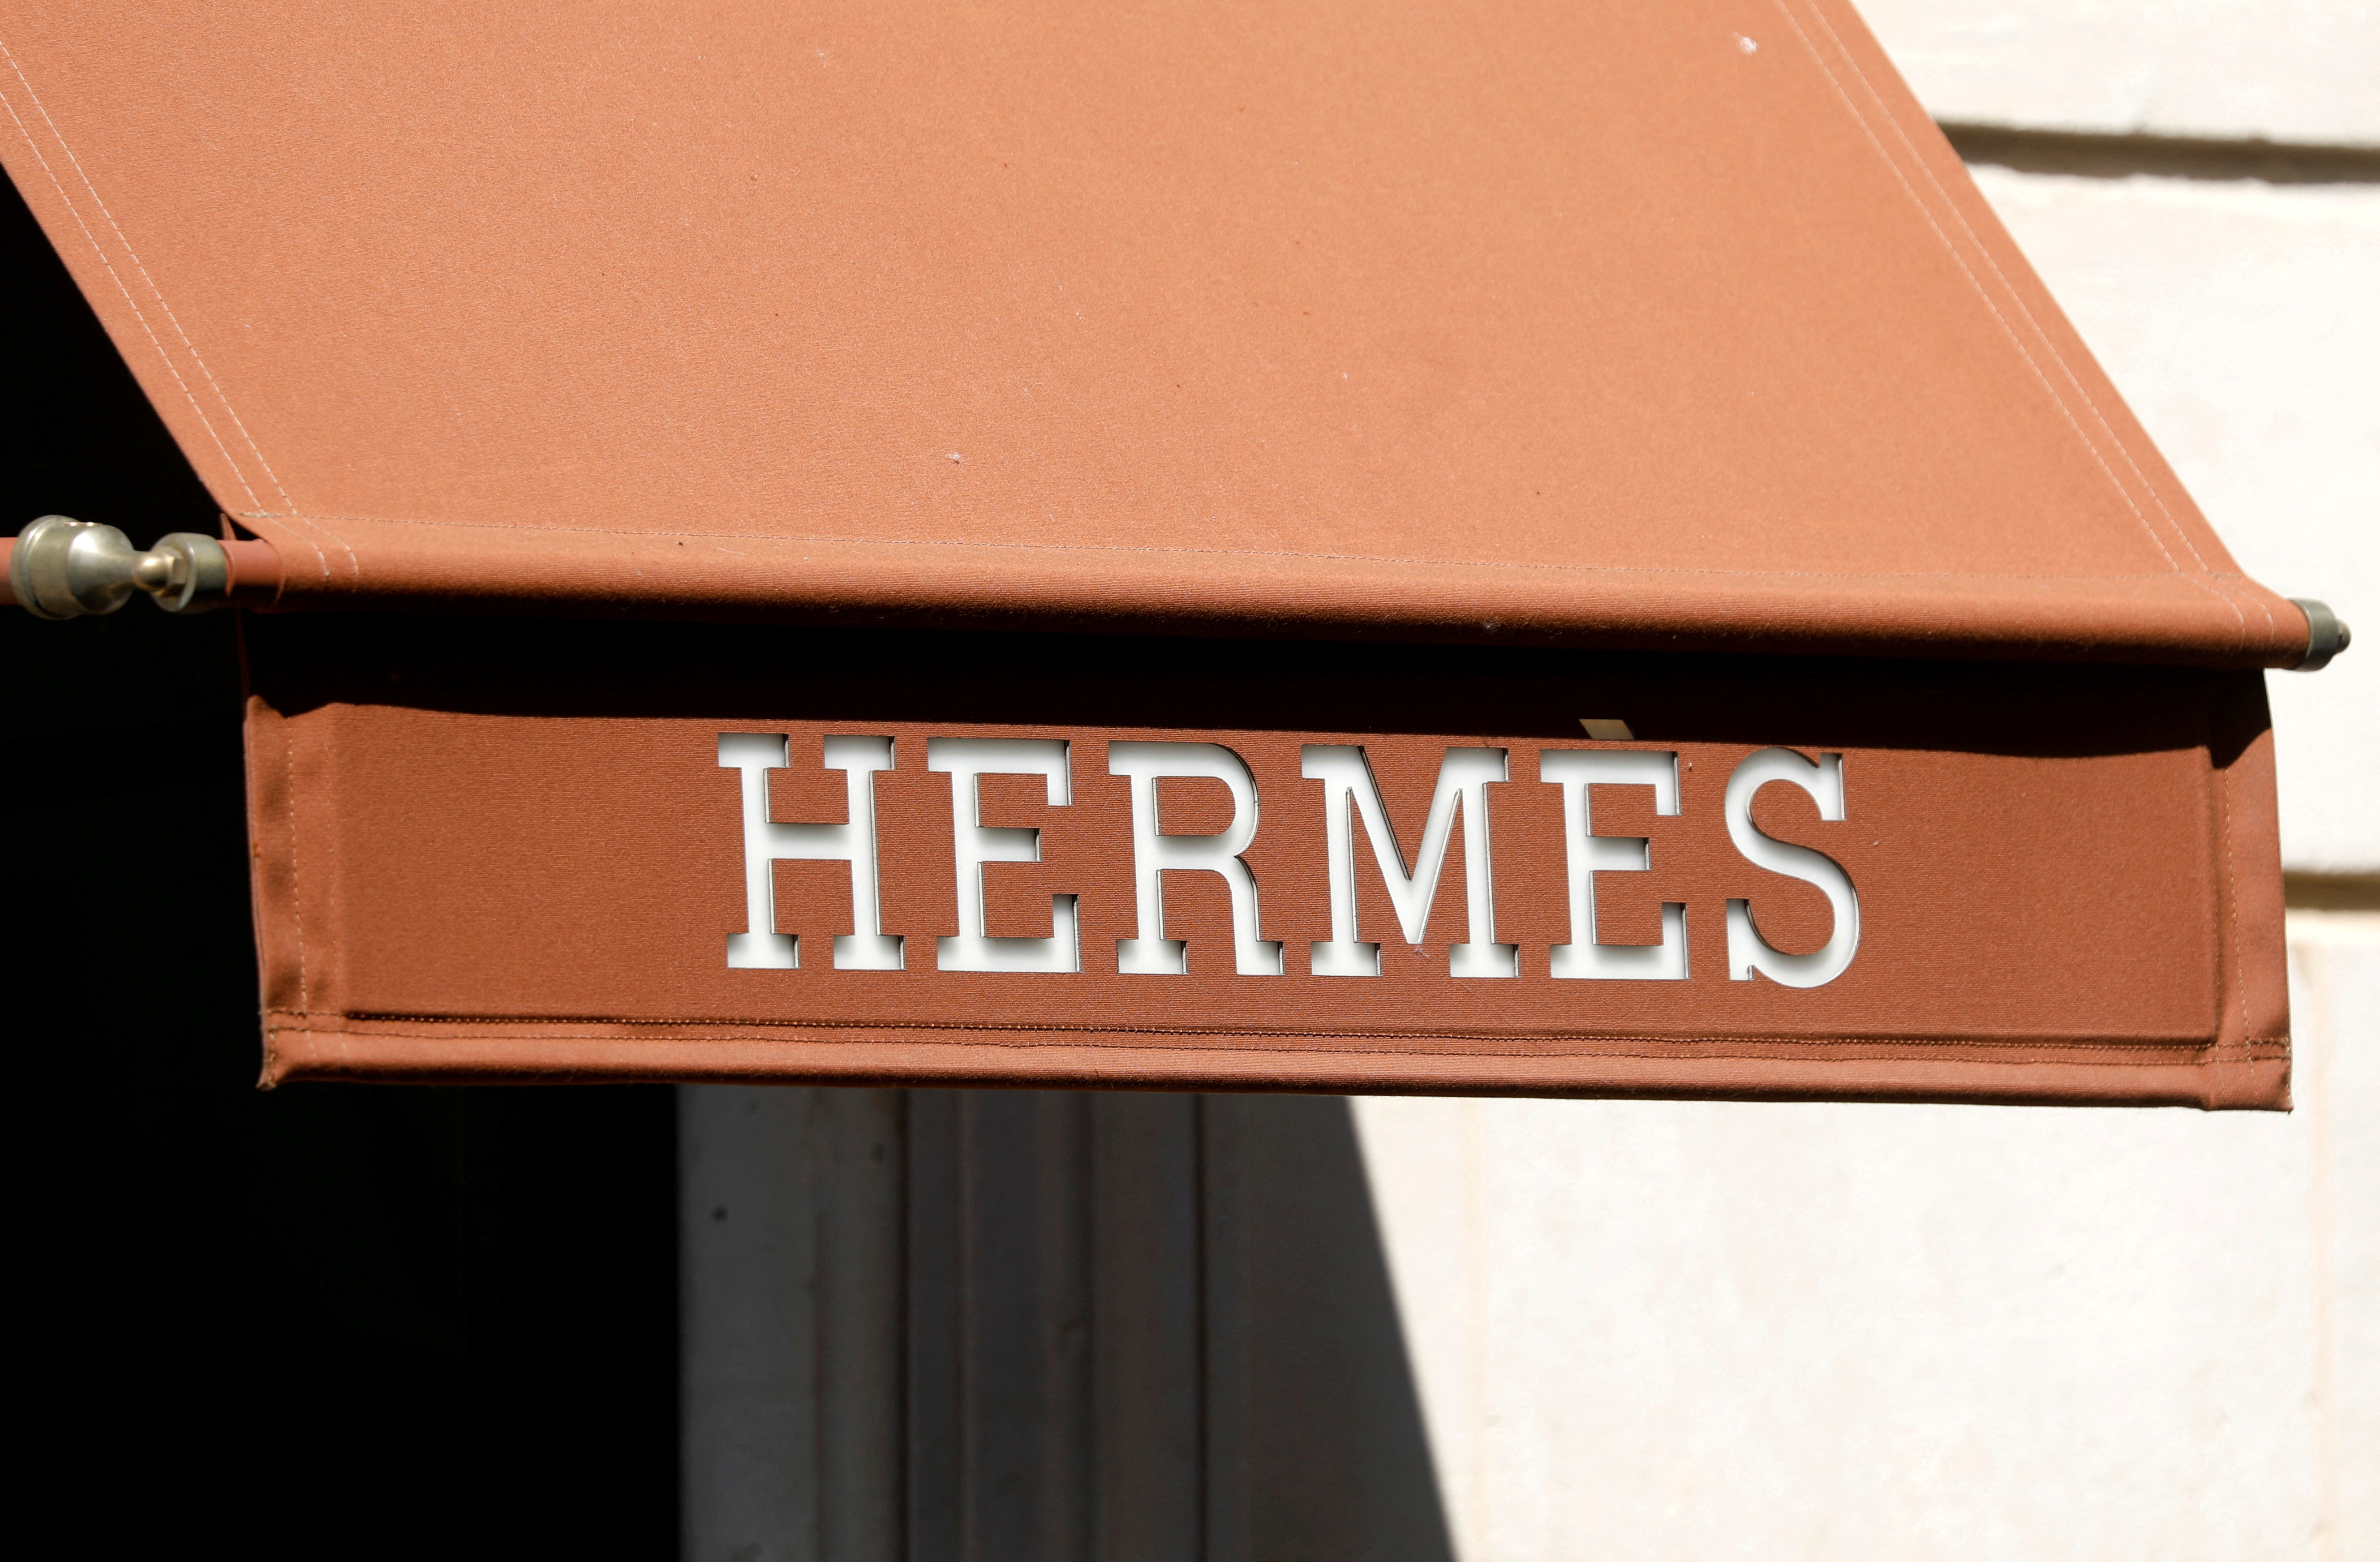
(766, 844)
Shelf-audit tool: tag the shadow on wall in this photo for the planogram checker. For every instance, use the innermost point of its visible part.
(1041, 1325)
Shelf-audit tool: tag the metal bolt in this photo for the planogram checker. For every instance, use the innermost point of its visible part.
(66, 568)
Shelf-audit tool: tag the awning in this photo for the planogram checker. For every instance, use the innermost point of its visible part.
(1032, 404)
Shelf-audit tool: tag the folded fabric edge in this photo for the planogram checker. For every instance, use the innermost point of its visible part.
(2213, 1083)
(2182, 619)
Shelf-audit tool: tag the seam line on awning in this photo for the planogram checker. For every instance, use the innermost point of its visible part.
(1975, 283)
(288, 780)
(2017, 297)
(1000, 1027)
(2230, 948)
(1234, 553)
(158, 293)
(2203, 1054)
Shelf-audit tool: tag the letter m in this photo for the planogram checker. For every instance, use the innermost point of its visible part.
(1350, 789)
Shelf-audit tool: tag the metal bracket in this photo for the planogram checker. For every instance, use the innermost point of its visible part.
(2327, 635)
(65, 568)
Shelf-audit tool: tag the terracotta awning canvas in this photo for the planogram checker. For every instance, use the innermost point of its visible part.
(1057, 443)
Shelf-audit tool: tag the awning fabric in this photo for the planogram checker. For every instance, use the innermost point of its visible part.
(1209, 334)
(1613, 323)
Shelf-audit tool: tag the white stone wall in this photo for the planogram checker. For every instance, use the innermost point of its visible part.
(2241, 320)
(1666, 1330)
(2281, 70)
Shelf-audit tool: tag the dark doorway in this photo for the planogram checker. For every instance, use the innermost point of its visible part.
(320, 1322)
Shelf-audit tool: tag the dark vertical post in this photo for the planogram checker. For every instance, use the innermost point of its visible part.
(1145, 1304)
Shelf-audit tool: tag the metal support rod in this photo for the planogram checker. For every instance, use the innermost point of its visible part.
(59, 567)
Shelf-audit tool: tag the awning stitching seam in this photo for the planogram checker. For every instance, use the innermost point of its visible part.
(238, 476)
(1243, 552)
(2123, 449)
(1004, 1027)
(2205, 1057)
(106, 260)
(1975, 283)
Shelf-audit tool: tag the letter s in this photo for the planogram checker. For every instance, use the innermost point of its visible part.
(1746, 951)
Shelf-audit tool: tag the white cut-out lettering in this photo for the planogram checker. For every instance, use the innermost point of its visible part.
(1462, 780)
(1576, 771)
(766, 842)
(975, 844)
(1156, 853)
(1747, 952)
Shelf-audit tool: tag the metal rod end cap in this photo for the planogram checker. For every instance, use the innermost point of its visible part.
(2327, 635)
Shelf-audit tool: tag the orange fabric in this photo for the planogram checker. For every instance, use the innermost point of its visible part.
(1629, 323)
(509, 850)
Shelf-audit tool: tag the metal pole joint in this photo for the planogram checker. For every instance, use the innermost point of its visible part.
(65, 568)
